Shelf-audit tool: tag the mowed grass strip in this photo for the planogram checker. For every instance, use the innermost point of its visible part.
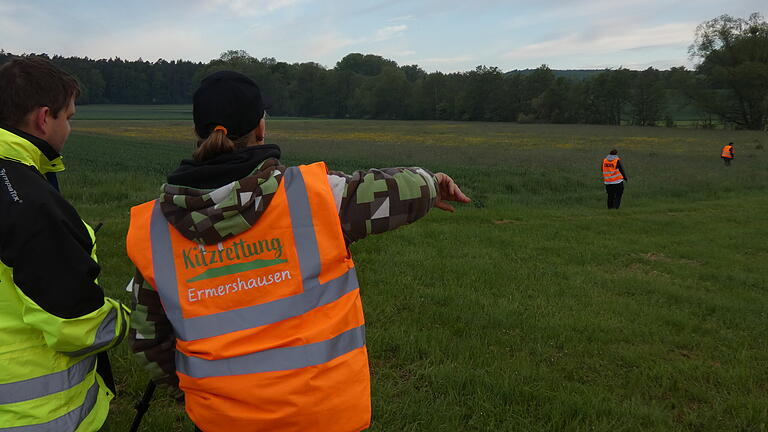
(532, 308)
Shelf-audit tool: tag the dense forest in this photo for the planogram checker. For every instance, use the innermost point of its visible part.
(729, 86)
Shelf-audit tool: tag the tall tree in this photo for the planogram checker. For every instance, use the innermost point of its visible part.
(647, 98)
(559, 103)
(368, 65)
(607, 95)
(481, 98)
(734, 66)
(534, 85)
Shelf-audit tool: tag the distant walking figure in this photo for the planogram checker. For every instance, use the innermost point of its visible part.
(727, 154)
(613, 177)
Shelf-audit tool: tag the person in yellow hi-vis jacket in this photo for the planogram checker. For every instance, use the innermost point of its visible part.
(55, 322)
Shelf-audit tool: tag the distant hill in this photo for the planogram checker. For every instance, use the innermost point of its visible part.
(574, 74)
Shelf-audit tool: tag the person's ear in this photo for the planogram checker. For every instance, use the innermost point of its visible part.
(41, 120)
(260, 130)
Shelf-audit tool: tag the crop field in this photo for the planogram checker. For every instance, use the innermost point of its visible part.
(533, 308)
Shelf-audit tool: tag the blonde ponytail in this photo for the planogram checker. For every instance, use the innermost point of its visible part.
(217, 143)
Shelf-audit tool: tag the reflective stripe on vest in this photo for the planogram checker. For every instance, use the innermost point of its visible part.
(727, 152)
(45, 385)
(611, 173)
(69, 421)
(278, 359)
(315, 294)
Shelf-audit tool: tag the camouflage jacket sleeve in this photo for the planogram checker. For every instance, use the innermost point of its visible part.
(151, 335)
(378, 200)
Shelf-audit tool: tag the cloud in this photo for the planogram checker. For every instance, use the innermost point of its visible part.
(373, 7)
(11, 21)
(648, 47)
(445, 64)
(327, 43)
(7, 6)
(390, 32)
(252, 7)
(604, 42)
(444, 60)
(150, 43)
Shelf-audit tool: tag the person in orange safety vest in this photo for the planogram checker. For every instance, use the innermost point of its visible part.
(613, 178)
(247, 293)
(727, 154)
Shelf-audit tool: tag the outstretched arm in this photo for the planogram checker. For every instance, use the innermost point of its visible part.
(379, 200)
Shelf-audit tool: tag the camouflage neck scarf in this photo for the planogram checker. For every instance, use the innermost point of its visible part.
(209, 216)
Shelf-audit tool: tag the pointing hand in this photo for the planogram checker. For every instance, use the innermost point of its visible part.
(448, 191)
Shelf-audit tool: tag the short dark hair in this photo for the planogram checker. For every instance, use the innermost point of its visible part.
(27, 83)
(614, 151)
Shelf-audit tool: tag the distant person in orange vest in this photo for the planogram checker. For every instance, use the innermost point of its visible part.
(727, 154)
(245, 287)
(613, 178)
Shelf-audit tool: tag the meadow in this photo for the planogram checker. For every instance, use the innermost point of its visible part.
(533, 308)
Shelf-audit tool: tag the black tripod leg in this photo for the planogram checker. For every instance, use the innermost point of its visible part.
(143, 405)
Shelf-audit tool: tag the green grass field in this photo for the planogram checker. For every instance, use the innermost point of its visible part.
(531, 309)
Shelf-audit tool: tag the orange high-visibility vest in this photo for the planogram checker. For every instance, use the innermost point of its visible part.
(727, 152)
(611, 173)
(269, 325)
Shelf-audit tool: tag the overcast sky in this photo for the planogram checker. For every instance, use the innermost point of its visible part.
(445, 35)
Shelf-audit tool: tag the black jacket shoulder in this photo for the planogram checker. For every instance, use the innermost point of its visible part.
(44, 241)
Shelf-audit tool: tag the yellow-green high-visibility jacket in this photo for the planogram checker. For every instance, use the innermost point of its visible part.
(54, 317)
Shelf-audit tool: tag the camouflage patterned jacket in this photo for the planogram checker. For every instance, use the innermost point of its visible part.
(241, 185)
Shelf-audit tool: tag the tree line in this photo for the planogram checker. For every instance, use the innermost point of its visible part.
(729, 85)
